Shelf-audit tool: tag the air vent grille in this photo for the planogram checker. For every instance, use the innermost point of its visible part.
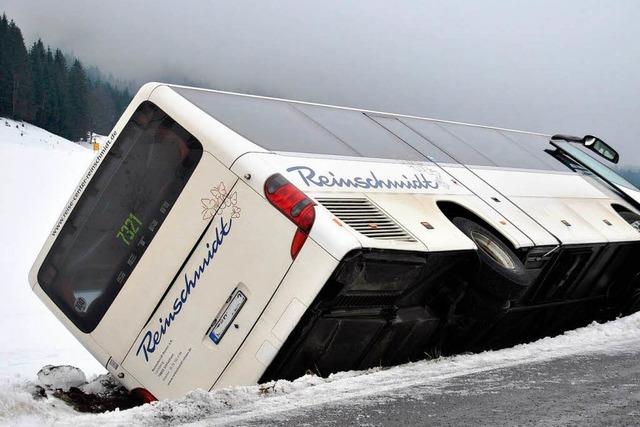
(366, 218)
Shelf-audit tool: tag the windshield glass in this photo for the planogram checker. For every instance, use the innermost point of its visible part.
(118, 214)
(593, 164)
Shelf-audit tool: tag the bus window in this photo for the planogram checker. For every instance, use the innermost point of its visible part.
(501, 150)
(412, 138)
(536, 146)
(448, 142)
(361, 133)
(273, 125)
(118, 215)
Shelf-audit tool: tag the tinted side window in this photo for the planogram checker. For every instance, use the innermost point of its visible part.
(536, 145)
(420, 144)
(286, 126)
(361, 133)
(273, 125)
(448, 142)
(500, 149)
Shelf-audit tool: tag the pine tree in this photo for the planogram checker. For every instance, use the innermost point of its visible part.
(22, 83)
(37, 59)
(62, 105)
(38, 86)
(50, 103)
(6, 79)
(102, 107)
(78, 97)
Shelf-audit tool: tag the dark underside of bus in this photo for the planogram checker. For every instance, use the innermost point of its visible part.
(383, 308)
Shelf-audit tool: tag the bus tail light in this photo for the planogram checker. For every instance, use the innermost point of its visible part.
(294, 204)
(143, 395)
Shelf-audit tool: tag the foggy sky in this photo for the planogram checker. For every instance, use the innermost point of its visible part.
(547, 66)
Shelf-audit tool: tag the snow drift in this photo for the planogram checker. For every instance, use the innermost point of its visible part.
(235, 405)
(39, 171)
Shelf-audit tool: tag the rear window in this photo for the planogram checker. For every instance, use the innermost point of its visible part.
(117, 216)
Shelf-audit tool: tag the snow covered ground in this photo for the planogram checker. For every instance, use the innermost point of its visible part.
(278, 400)
(39, 171)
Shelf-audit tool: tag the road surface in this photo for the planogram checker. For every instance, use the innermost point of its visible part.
(579, 390)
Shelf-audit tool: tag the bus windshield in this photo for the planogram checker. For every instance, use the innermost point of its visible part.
(118, 214)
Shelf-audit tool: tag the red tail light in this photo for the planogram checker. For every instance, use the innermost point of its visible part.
(144, 395)
(294, 204)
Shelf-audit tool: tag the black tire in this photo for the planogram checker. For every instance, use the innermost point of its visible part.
(502, 274)
(631, 218)
(632, 304)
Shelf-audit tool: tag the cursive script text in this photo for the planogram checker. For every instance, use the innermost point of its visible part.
(416, 182)
(150, 340)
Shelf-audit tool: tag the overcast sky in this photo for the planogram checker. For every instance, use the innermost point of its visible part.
(548, 66)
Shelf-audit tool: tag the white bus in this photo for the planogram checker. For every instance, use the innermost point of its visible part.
(221, 239)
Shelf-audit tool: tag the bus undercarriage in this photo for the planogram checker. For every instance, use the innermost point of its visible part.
(384, 307)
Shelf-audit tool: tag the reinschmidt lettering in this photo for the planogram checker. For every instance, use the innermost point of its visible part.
(416, 182)
(150, 341)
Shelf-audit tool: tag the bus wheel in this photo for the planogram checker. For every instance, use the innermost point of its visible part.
(633, 303)
(631, 218)
(502, 274)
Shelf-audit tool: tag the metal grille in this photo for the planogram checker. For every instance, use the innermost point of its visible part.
(366, 218)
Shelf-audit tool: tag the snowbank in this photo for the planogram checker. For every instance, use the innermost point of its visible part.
(240, 404)
(39, 172)
(30, 136)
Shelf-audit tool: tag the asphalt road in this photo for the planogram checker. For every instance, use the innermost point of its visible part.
(591, 390)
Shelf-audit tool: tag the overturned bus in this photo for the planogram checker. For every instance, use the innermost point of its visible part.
(221, 239)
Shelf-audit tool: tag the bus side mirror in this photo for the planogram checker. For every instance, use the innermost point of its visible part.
(594, 144)
(601, 148)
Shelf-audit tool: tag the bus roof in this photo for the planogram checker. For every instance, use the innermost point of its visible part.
(282, 125)
(179, 88)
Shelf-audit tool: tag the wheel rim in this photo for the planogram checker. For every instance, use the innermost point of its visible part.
(493, 250)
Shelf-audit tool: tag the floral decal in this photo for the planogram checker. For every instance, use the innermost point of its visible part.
(220, 200)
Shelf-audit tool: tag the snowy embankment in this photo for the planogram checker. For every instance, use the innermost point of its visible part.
(277, 399)
(39, 172)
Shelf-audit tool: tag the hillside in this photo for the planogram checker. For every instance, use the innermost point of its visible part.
(54, 90)
(39, 172)
(25, 134)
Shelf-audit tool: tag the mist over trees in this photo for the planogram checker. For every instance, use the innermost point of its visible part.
(44, 87)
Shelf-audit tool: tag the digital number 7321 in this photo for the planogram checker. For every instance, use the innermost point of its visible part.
(129, 229)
